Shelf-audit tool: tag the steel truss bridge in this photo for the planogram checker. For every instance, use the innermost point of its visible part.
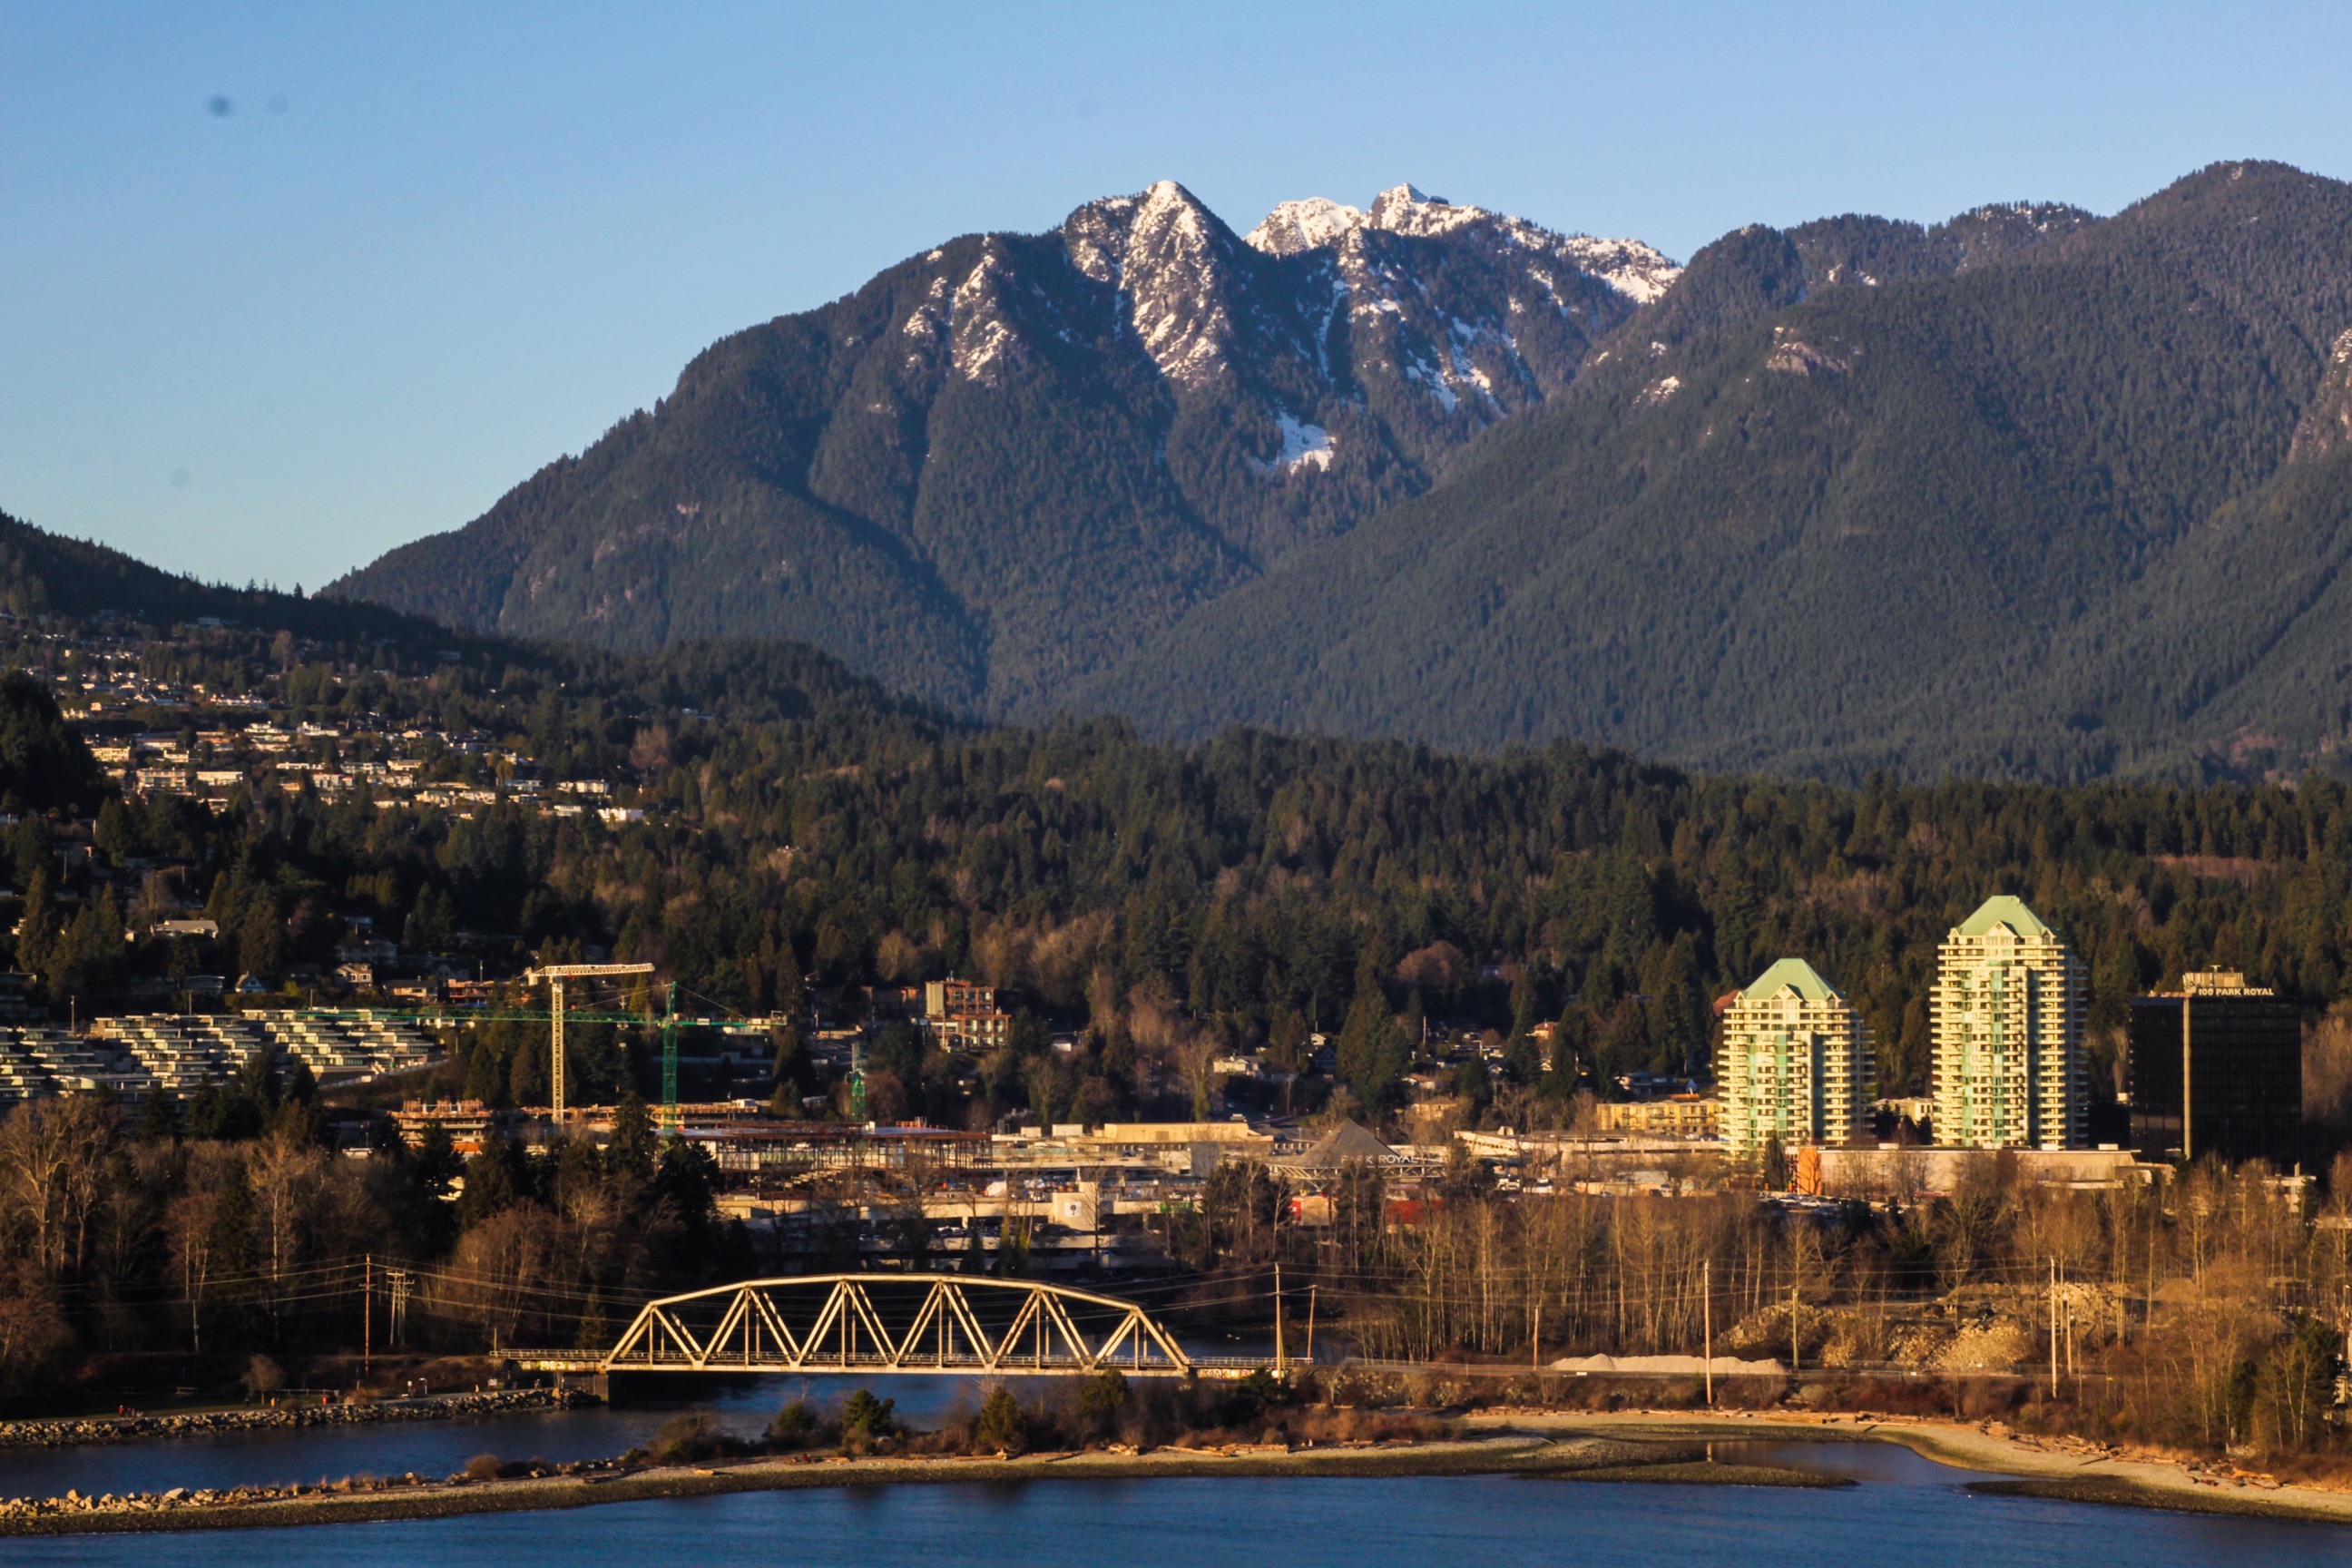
(943, 1323)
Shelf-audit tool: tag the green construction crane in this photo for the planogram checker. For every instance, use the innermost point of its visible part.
(670, 1064)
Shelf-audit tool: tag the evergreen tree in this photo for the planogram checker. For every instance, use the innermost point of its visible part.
(632, 1149)
(44, 763)
(437, 1164)
(862, 1415)
(159, 1117)
(261, 941)
(37, 927)
(432, 925)
(1372, 1052)
(257, 1079)
(233, 1251)
(486, 1073)
(1522, 1056)
(498, 1178)
(301, 1083)
(686, 1183)
(1003, 1428)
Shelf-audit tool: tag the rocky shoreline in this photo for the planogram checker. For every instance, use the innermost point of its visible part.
(371, 1499)
(1644, 1447)
(69, 1432)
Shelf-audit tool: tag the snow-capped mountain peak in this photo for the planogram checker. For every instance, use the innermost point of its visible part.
(1634, 269)
(1308, 225)
(1350, 301)
(1171, 261)
(1408, 209)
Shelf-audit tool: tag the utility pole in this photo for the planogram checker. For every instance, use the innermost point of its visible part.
(1310, 1324)
(555, 974)
(367, 1314)
(2053, 1328)
(1706, 1321)
(399, 1281)
(1796, 1345)
(1280, 1360)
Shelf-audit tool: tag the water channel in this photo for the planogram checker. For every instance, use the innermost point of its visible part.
(1906, 1510)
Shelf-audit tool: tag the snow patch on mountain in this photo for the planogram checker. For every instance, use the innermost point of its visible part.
(2326, 423)
(1636, 271)
(1303, 446)
(983, 346)
(927, 327)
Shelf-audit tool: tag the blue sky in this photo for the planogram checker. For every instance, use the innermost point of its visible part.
(282, 287)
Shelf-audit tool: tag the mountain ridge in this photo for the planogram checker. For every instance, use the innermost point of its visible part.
(989, 470)
(1826, 528)
(1964, 497)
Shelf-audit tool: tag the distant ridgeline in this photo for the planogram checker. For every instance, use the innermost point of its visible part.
(2025, 494)
(45, 574)
(48, 573)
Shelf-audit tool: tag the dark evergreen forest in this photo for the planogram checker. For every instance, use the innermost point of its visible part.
(1169, 900)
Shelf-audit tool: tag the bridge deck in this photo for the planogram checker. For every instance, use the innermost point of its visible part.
(1218, 1368)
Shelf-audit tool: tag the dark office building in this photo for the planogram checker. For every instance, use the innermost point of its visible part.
(2217, 1068)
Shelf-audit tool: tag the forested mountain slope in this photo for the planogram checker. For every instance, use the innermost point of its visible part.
(44, 573)
(2029, 494)
(739, 679)
(992, 470)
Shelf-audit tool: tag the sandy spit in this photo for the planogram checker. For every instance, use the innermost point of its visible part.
(2079, 1474)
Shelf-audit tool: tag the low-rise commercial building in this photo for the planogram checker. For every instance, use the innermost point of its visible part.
(1675, 1116)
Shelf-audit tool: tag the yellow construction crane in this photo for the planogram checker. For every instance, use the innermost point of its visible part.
(555, 974)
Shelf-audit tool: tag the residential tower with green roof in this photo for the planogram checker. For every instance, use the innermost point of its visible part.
(2007, 1018)
(1794, 1063)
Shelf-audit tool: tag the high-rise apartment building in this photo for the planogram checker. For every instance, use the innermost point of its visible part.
(2007, 1016)
(2217, 1068)
(1793, 1064)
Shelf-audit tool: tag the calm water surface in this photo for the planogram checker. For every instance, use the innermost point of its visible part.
(1906, 1510)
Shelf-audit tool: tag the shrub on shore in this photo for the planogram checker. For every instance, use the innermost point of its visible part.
(692, 1435)
(263, 1377)
(796, 1426)
(1109, 1409)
